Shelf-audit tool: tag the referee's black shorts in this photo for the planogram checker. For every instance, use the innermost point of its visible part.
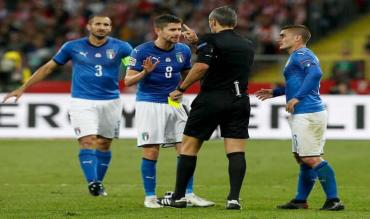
(213, 108)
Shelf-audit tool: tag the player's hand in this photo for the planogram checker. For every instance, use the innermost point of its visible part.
(148, 64)
(291, 104)
(16, 93)
(176, 95)
(264, 94)
(190, 35)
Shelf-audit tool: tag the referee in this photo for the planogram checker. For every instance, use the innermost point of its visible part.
(223, 66)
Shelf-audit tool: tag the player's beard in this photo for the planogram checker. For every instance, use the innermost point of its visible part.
(99, 37)
(173, 39)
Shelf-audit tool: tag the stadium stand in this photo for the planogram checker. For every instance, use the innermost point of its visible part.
(37, 28)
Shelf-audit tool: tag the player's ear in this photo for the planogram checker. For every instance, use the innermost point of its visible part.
(88, 27)
(298, 37)
(157, 30)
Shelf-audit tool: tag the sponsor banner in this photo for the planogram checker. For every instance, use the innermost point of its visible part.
(46, 116)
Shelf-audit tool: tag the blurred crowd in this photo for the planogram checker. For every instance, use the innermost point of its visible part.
(32, 31)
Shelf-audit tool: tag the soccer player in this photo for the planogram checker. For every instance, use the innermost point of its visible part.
(157, 68)
(223, 64)
(308, 118)
(96, 107)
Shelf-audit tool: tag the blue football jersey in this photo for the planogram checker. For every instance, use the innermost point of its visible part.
(302, 74)
(157, 85)
(95, 70)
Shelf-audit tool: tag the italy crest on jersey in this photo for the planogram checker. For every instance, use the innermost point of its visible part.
(180, 57)
(110, 54)
(145, 136)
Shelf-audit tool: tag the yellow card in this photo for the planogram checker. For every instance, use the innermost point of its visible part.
(173, 103)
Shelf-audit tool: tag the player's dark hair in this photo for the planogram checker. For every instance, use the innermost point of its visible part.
(300, 30)
(92, 16)
(164, 19)
(225, 16)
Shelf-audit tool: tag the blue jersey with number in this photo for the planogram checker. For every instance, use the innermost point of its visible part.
(157, 85)
(302, 77)
(95, 70)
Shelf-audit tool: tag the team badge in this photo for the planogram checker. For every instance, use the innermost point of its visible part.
(168, 59)
(132, 61)
(145, 136)
(110, 54)
(97, 55)
(180, 57)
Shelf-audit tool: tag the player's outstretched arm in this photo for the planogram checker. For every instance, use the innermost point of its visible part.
(264, 94)
(133, 77)
(39, 75)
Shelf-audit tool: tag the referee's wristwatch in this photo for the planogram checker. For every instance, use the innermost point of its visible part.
(182, 90)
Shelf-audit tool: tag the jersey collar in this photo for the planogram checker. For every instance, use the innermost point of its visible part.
(87, 40)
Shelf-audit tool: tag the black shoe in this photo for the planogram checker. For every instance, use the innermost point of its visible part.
(102, 191)
(96, 189)
(169, 201)
(293, 204)
(333, 205)
(233, 205)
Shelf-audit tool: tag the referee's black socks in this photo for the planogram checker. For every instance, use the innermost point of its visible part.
(237, 168)
(185, 170)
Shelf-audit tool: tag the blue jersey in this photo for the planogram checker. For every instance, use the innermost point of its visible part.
(95, 70)
(157, 85)
(302, 77)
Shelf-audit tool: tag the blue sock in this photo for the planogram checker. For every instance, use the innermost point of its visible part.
(306, 181)
(148, 174)
(327, 179)
(103, 159)
(88, 164)
(189, 187)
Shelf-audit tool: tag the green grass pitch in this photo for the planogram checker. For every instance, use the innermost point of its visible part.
(42, 179)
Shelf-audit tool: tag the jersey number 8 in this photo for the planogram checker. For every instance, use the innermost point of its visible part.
(168, 72)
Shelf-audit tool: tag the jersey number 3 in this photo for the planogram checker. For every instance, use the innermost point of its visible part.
(99, 70)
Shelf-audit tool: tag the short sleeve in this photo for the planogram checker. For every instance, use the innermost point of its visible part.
(306, 61)
(126, 49)
(135, 60)
(126, 52)
(187, 52)
(63, 55)
(205, 50)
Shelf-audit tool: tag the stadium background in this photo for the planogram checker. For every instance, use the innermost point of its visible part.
(40, 178)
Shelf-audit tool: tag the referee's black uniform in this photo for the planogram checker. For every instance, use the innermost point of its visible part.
(223, 100)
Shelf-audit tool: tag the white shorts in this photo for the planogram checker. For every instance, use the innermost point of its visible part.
(159, 123)
(96, 117)
(308, 133)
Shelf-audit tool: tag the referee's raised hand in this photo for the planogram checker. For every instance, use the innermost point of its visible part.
(190, 35)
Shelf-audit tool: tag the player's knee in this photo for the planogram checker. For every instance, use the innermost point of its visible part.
(103, 144)
(87, 142)
(151, 152)
(311, 161)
